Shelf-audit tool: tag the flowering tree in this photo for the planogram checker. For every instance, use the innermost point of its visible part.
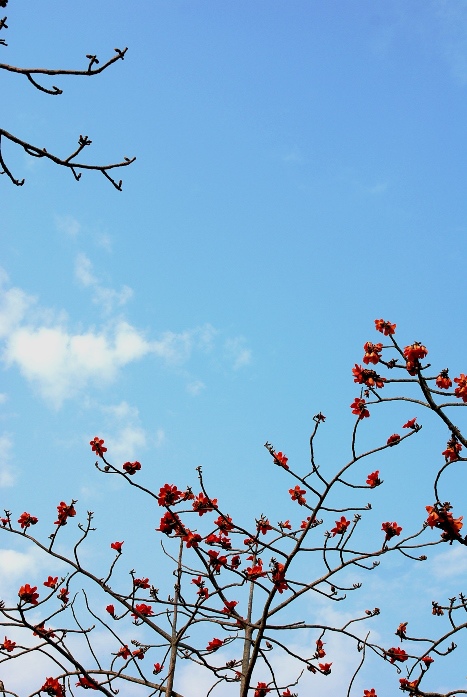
(70, 162)
(234, 609)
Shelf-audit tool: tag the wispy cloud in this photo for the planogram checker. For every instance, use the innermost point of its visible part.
(107, 298)
(68, 225)
(7, 477)
(237, 352)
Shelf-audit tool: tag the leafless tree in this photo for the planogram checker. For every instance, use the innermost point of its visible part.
(70, 162)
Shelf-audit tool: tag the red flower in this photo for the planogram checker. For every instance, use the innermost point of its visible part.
(170, 522)
(97, 445)
(255, 571)
(394, 439)
(216, 561)
(453, 449)
(358, 407)
(139, 654)
(191, 539)
(214, 644)
(372, 353)
(25, 520)
(141, 583)
(235, 561)
(442, 518)
(132, 467)
(461, 390)
(169, 495)
(285, 524)
(427, 660)
(110, 609)
(261, 690)
(370, 693)
(229, 606)
(278, 577)
(367, 377)
(406, 685)
(341, 526)
(39, 630)
(325, 668)
(401, 631)
(8, 645)
(87, 683)
(4, 521)
(411, 424)
(28, 594)
(415, 351)
(224, 523)
(263, 526)
(373, 479)
(63, 595)
(391, 530)
(117, 546)
(296, 494)
(203, 505)
(52, 582)
(64, 512)
(157, 668)
(320, 652)
(443, 381)
(53, 688)
(281, 460)
(124, 652)
(304, 523)
(143, 609)
(384, 327)
(396, 654)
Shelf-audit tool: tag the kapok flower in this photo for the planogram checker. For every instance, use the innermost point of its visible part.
(141, 583)
(285, 525)
(202, 504)
(408, 685)
(235, 561)
(427, 660)
(391, 530)
(214, 644)
(139, 654)
(169, 495)
(373, 479)
(170, 522)
(436, 610)
(132, 467)
(158, 668)
(396, 654)
(401, 631)
(63, 595)
(372, 353)
(124, 652)
(296, 494)
(52, 582)
(110, 609)
(191, 539)
(263, 526)
(411, 424)
(372, 692)
(255, 571)
(384, 327)
(461, 389)
(341, 526)
(325, 668)
(358, 407)
(216, 561)
(261, 690)
(88, 684)
(97, 445)
(320, 652)
(440, 516)
(443, 381)
(229, 606)
(278, 577)
(415, 351)
(281, 460)
(394, 439)
(53, 688)
(453, 449)
(65, 512)
(28, 594)
(26, 519)
(40, 630)
(367, 377)
(117, 546)
(8, 645)
(143, 609)
(224, 523)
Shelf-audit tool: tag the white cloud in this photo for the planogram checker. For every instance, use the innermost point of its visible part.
(107, 298)
(3, 397)
(237, 353)
(7, 477)
(451, 563)
(195, 387)
(67, 224)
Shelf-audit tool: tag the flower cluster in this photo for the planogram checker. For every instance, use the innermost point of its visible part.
(440, 516)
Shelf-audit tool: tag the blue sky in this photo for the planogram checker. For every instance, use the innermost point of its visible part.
(300, 172)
